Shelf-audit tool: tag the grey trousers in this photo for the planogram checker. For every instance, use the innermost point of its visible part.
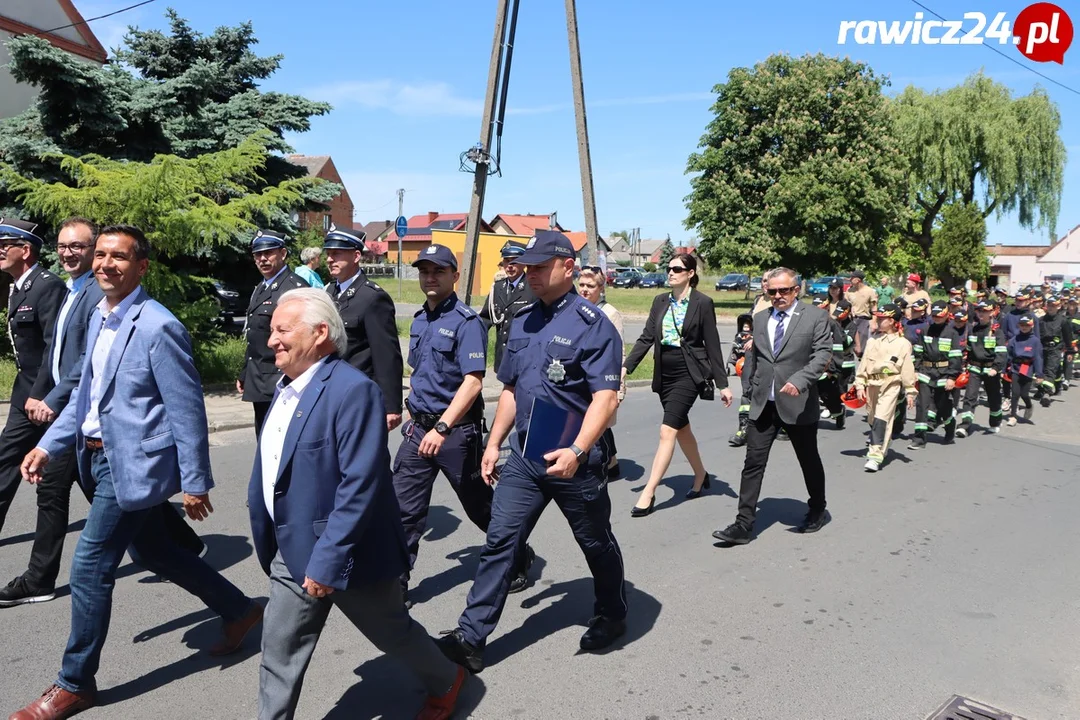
(294, 620)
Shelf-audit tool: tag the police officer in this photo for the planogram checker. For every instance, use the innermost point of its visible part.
(259, 376)
(35, 300)
(562, 353)
(938, 361)
(448, 356)
(369, 316)
(986, 359)
(507, 296)
(1055, 332)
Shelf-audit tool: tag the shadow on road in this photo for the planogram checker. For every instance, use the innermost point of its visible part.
(573, 605)
(76, 526)
(630, 470)
(388, 690)
(440, 523)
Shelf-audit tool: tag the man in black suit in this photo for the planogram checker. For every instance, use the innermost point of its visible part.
(36, 297)
(507, 296)
(369, 316)
(259, 375)
(792, 345)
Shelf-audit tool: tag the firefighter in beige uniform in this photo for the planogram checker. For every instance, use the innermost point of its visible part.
(885, 371)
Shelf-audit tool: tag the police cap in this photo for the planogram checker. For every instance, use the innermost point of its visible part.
(901, 303)
(1053, 299)
(545, 245)
(438, 254)
(268, 240)
(889, 310)
(22, 231)
(512, 251)
(337, 239)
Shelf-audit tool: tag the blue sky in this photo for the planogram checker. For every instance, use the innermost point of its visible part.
(407, 80)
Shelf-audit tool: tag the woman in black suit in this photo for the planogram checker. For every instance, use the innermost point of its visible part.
(681, 331)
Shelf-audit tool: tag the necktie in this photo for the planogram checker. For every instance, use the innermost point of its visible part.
(334, 289)
(778, 336)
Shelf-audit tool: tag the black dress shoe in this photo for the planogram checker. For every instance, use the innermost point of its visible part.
(693, 494)
(735, 533)
(814, 521)
(841, 419)
(19, 592)
(521, 580)
(643, 511)
(460, 651)
(602, 632)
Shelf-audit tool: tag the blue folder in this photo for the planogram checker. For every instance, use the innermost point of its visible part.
(550, 428)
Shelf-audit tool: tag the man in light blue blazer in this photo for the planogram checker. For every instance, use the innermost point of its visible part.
(324, 518)
(138, 425)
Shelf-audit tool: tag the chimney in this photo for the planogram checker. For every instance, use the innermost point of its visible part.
(431, 217)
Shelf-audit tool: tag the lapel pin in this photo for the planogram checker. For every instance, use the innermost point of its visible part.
(299, 413)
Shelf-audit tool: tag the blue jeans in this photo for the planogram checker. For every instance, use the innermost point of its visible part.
(108, 534)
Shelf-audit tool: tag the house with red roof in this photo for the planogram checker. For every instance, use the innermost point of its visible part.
(524, 225)
(339, 211)
(418, 235)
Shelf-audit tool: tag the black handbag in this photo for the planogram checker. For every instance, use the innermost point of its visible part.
(707, 391)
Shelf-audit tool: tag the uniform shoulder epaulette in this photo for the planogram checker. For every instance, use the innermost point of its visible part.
(588, 312)
(374, 286)
(465, 310)
(298, 282)
(527, 308)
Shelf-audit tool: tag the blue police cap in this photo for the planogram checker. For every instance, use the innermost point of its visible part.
(338, 239)
(438, 254)
(512, 251)
(268, 240)
(544, 245)
(21, 230)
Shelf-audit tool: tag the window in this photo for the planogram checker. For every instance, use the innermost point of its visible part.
(326, 222)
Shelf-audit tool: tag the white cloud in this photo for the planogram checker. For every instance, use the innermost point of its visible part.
(427, 98)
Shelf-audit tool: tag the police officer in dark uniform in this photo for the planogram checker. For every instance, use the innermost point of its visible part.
(448, 356)
(35, 300)
(563, 354)
(507, 296)
(938, 361)
(369, 316)
(259, 376)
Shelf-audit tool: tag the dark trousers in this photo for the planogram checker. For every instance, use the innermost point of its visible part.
(523, 491)
(971, 398)
(19, 437)
(261, 409)
(829, 390)
(860, 328)
(1021, 390)
(608, 441)
(760, 435)
(1052, 371)
(933, 406)
(414, 478)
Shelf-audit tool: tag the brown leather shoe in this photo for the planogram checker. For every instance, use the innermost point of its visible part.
(442, 706)
(233, 634)
(56, 703)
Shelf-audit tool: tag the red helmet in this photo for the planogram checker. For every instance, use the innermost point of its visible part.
(739, 366)
(962, 379)
(851, 399)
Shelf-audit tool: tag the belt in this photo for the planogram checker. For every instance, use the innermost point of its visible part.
(428, 421)
(863, 317)
(1052, 342)
(943, 364)
(94, 444)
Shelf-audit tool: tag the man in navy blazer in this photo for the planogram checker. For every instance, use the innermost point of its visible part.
(324, 519)
(138, 425)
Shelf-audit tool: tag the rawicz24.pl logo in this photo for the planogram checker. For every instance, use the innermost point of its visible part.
(1041, 32)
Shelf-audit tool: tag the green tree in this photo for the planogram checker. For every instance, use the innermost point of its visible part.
(187, 207)
(797, 168)
(976, 144)
(959, 250)
(667, 251)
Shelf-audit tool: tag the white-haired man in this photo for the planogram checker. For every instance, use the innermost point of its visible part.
(335, 538)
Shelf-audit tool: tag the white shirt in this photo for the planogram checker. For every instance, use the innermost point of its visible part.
(276, 425)
(111, 320)
(74, 285)
(344, 285)
(774, 320)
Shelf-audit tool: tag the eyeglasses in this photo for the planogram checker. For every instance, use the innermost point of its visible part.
(771, 292)
(73, 247)
(677, 269)
(8, 244)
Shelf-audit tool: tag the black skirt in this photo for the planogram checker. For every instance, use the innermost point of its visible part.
(677, 389)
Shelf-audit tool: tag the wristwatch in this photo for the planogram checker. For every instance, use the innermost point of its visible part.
(582, 455)
(442, 428)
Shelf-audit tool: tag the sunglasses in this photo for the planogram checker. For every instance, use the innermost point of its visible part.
(593, 268)
(677, 269)
(772, 292)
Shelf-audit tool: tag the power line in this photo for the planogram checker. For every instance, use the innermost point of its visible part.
(99, 17)
(1007, 57)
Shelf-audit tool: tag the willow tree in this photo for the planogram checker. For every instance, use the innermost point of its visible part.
(975, 144)
(188, 207)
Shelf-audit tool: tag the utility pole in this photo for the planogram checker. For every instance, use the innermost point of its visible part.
(400, 205)
(481, 153)
(584, 158)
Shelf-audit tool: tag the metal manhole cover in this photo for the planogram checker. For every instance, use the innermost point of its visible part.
(961, 708)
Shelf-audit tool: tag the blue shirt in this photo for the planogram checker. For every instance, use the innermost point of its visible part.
(445, 345)
(572, 332)
(309, 276)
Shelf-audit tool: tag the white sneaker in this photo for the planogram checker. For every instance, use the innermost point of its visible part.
(872, 466)
(994, 430)
(961, 432)
(825, 414)
(1011, 422)
(1006, 406)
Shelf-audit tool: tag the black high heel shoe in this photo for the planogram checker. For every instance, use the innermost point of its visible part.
(642, 512)
(705, 485)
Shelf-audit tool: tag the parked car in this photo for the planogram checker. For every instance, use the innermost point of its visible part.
(653, 280)
(755, 285)
(627, 279)
(820, 286)
(233, 306)
(610, 277)
(733, 281)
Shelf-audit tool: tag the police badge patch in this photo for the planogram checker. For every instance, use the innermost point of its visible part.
(556, 371)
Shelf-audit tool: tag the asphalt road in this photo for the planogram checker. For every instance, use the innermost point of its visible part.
(954, 570)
